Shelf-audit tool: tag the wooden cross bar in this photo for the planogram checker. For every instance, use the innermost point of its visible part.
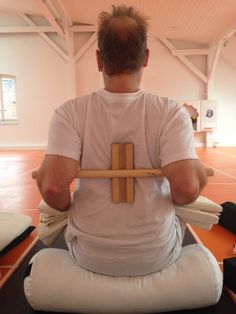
(122, 173)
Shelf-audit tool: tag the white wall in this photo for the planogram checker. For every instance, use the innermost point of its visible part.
(88, 77)
(42, 85)
(225, 93)
(167, 76)
(164, 75)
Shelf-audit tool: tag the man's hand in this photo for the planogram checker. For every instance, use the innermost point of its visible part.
(187, 178)
(54, 178)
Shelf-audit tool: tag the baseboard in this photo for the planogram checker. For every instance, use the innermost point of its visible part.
(23, 147)
(200, 144)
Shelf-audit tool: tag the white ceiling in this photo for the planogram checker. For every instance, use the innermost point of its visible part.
(196, 21)
(192, 20)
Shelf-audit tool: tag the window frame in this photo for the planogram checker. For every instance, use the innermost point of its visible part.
(3, 120)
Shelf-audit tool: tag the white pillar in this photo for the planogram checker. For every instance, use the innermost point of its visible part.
(209, 138)
(210, 93)
(72, 82)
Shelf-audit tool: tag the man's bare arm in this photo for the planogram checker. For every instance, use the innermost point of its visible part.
(54, 178)
(187, 178)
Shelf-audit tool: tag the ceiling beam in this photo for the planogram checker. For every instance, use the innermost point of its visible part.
(65, 12)
(216, 46)
(212, 61)
(50, 17)
(184, 60)
(85, 47)
(190, 52)
(53, 9)
(26, 29)
(45, 37)
(215, 60)
(69, 36)
(70, 44)
(227, 33)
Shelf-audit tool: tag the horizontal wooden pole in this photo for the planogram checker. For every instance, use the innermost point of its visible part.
(132, 173)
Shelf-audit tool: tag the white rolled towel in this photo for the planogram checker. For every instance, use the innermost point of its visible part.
(203, 203)
(203, 212)
(51, 223)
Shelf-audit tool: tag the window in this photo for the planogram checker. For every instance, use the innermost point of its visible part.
(8, 114)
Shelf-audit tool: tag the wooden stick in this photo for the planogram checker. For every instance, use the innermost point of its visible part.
(132, 173)
(129, 151)
(115, 166)
(122, 158)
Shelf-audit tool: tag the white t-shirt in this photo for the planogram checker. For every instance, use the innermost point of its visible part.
(122, 239)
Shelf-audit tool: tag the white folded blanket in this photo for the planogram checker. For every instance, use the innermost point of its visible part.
(202, 213)
(203, 203)
(51, 223)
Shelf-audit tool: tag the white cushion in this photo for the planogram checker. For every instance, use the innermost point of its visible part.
(11, 226)
(56, 283)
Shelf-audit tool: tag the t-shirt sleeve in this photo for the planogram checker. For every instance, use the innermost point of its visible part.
(64, 138)
(176, 141)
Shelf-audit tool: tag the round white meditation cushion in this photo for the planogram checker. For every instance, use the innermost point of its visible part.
(57, 284)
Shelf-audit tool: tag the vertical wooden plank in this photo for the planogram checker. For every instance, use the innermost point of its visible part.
(122, 158)
(122, 165)
(115, 166)
(129, 148)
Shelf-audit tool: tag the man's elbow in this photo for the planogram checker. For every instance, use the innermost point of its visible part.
(50, 192)
(56, 197)
(186, 194)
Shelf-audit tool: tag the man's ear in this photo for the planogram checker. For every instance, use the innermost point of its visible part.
(147, 53)
(98, 57)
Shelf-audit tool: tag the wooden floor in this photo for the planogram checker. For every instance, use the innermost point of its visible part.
(220, 188)
(18, 193)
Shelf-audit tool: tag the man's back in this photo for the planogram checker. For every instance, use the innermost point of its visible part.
(124, 239)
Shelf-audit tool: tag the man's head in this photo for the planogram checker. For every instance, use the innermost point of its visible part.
(122, 40)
